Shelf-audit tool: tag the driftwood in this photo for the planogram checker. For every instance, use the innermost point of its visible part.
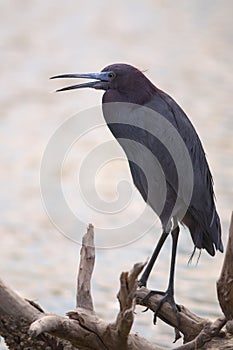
(225, 282)
(24, 325)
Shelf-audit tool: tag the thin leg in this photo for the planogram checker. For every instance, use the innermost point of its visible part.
(169, 294)
(146, 273)
(175, 235)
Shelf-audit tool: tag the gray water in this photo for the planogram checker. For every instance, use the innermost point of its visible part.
(186, 49)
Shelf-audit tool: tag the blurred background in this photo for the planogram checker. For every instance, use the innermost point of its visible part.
(185, 47)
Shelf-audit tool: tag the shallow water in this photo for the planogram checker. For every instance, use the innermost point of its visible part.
(186, 49)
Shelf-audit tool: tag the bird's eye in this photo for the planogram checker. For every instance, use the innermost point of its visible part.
(111, 75)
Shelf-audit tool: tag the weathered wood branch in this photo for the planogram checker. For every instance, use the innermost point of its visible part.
(206, 336)
(225, 282)
(16, 316)
(86, 266)
(127, 300)
(190, 324)
(82, 329)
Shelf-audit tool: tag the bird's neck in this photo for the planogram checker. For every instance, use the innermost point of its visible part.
(136, 93)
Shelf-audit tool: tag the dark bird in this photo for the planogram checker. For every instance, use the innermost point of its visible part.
(165, 156)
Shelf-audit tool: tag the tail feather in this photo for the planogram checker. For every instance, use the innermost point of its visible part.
(209, 237)
(201, 240)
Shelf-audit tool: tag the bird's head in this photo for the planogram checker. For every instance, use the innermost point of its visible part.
(120, 81)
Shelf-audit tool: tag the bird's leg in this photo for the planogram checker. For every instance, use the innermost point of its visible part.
(169, 294)
(146, 273)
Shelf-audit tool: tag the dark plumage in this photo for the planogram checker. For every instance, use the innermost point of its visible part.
(129, 122)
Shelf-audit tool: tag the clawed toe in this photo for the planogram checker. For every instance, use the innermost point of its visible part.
(167, 297)
(151, 293)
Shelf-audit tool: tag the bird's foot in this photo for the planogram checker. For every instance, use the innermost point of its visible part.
(147, 297)
(167, 297)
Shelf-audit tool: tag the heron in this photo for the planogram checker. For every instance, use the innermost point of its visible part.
(128, 92)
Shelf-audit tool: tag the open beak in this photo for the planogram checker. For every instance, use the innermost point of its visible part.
(101, 80)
